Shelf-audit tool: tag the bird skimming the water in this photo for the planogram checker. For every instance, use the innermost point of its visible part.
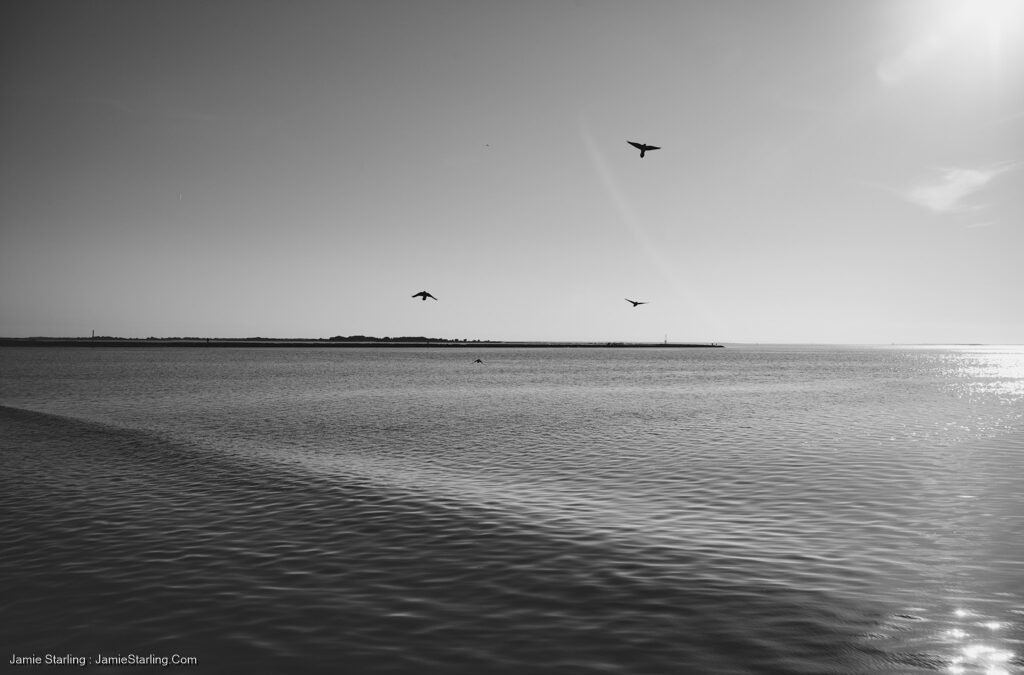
(643, 147)
(636, 302)
(423, 295)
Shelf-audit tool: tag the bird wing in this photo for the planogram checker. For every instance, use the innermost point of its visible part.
(644, 146)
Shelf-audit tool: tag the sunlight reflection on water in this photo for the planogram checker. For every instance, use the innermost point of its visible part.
(988, 371)
(979, 651)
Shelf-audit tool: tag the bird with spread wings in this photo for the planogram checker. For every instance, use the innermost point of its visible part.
(643, 147)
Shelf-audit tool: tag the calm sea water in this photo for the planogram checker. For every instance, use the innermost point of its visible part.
(740, 510)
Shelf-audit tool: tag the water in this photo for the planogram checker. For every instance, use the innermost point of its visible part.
(742, 510)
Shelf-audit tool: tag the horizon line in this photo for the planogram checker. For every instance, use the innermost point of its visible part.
(368, 339)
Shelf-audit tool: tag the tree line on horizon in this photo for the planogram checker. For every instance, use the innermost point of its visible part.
(404, 338)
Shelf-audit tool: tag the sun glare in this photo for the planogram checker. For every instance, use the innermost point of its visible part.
(988, 23)
(986, 12)
(958, 36)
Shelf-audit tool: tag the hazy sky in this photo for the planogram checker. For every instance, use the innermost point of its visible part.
(831, 171)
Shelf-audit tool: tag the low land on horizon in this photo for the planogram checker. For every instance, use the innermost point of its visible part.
(337, 341)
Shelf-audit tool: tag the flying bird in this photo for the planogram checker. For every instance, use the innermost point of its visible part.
(423, 295)
(636, 302)
(643, 147)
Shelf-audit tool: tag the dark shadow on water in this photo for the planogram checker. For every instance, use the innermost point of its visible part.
(121, 542)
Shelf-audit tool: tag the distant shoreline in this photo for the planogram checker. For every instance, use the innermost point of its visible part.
(331, 344)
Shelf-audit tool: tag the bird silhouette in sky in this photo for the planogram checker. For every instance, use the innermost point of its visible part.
(636, 302)
(423, 295)
(643, 147)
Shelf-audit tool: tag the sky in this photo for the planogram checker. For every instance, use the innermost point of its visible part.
(829, 172)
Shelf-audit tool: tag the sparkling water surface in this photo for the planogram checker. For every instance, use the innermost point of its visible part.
(739, 510)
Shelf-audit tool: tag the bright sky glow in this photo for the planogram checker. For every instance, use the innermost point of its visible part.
(829, 172)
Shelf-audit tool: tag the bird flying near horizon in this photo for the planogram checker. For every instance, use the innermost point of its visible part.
(643, 147)
(637, 302)
(423, 295)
